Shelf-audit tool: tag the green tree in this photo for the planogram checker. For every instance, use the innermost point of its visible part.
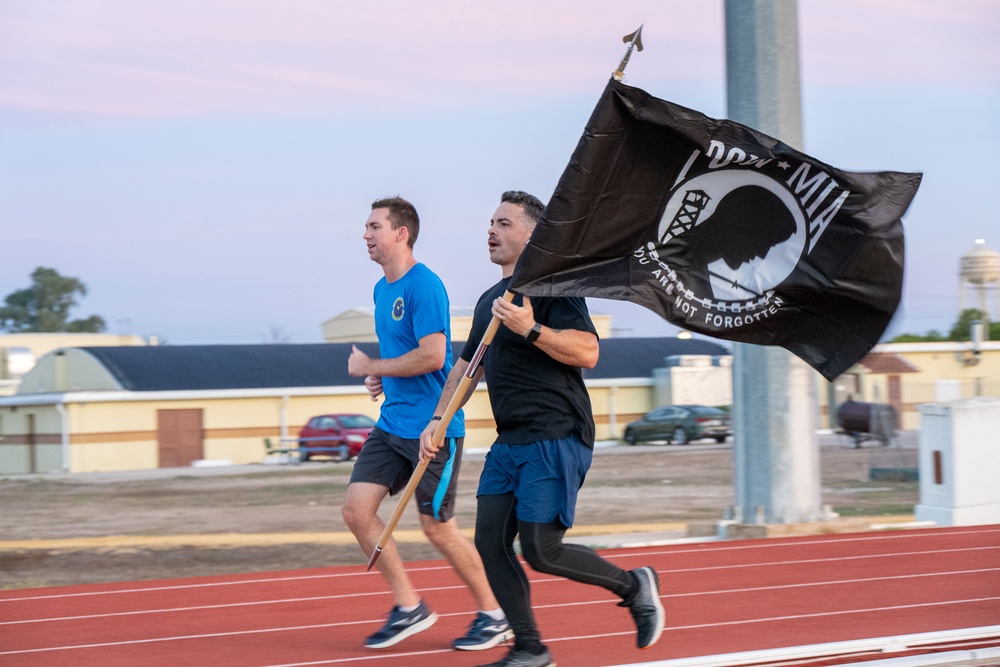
(931, 336)
(45, 306)
(962, 330)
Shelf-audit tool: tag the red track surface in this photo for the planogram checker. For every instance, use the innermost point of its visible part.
(720, 597)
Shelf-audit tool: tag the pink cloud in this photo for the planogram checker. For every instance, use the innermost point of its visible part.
(901, 42)
(194, 57)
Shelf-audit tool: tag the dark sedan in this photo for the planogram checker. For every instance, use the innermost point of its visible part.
(679, 425)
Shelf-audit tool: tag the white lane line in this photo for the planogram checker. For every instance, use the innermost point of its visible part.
(713, 547)
(268, 580)
(213, 584)
(620, 553)
(837, 582)
(623, 553)
(945, 646)
(720, 624)
(838, 559)
(727, 591)
(844, 612)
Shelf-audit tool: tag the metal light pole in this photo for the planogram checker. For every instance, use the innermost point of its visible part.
(775, 406)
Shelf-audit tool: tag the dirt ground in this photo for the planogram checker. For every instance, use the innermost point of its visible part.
(639, 485)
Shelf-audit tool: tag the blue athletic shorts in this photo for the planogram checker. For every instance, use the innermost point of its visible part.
(389, 460)
(545, 477)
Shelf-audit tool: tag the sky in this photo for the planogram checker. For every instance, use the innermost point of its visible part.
(206, 167)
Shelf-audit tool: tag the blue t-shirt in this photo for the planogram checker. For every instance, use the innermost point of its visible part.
(414, 306)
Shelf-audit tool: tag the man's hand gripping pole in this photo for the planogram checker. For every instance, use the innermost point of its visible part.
(453, 405)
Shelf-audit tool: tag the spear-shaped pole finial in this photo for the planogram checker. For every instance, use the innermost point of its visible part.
(634, 41)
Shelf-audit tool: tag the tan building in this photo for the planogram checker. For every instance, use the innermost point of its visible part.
(20, 351)
(906, 375)
(126, 408)
(121, 408)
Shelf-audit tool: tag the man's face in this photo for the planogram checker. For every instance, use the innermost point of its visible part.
(510, 229)
(382, 240)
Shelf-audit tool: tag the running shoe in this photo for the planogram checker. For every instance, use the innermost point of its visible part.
(646, 608)
(401, 625)
(484, 633)
(523, 659)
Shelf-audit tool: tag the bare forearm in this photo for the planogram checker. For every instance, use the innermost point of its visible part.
(427, 357)
(569, 346)
(413, 363)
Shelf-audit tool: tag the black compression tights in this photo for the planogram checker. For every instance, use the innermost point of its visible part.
(543, 549)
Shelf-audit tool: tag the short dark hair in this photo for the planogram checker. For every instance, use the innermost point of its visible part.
(401, 214)
(532, 206)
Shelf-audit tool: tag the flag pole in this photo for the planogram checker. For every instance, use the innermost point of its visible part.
(453, 406)
(633, 40)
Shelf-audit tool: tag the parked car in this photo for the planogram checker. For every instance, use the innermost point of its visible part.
(679, 425)
(330, 435)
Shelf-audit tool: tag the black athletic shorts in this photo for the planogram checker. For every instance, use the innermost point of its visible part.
(389, 460)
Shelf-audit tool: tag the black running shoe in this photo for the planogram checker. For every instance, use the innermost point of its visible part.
(646, 608)
(523, 659)
(484, 633)
(401, 625)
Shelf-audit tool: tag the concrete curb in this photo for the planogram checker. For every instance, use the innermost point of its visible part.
(606, 536)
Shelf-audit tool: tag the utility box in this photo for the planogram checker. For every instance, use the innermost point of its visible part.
(960, 462)
(692, 379)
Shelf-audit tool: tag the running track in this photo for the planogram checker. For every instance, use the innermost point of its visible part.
(720, 597)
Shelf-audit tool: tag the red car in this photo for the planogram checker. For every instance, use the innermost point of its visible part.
(332, 435)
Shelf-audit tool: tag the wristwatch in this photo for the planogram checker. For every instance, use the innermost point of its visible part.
(533, 335)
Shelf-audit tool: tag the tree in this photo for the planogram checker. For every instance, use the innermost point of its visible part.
(45, 306)
(960, 331)
(931, 336)
(963, 326)
(277, 335)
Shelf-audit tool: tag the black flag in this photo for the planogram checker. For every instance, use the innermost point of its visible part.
(722, 230)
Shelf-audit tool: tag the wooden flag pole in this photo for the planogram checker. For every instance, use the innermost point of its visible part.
(453, 406)
(634, 41)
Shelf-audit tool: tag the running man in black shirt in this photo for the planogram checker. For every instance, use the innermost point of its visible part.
(544, 445)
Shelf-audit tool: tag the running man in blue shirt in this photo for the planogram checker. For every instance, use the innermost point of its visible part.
(412, 322)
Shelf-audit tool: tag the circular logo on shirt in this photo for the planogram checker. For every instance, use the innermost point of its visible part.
(398, 309)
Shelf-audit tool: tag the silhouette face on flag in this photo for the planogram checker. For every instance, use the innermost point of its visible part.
(724, 254)
(724, 231)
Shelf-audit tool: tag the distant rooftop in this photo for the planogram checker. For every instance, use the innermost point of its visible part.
(207, 367)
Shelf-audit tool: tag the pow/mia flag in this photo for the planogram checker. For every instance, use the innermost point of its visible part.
(722, 230)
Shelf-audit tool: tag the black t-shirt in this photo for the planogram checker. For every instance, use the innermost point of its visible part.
(534, 397)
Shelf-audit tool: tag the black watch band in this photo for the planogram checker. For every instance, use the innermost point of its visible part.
(533, 335)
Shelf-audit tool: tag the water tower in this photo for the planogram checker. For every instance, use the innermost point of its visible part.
(979, 275)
